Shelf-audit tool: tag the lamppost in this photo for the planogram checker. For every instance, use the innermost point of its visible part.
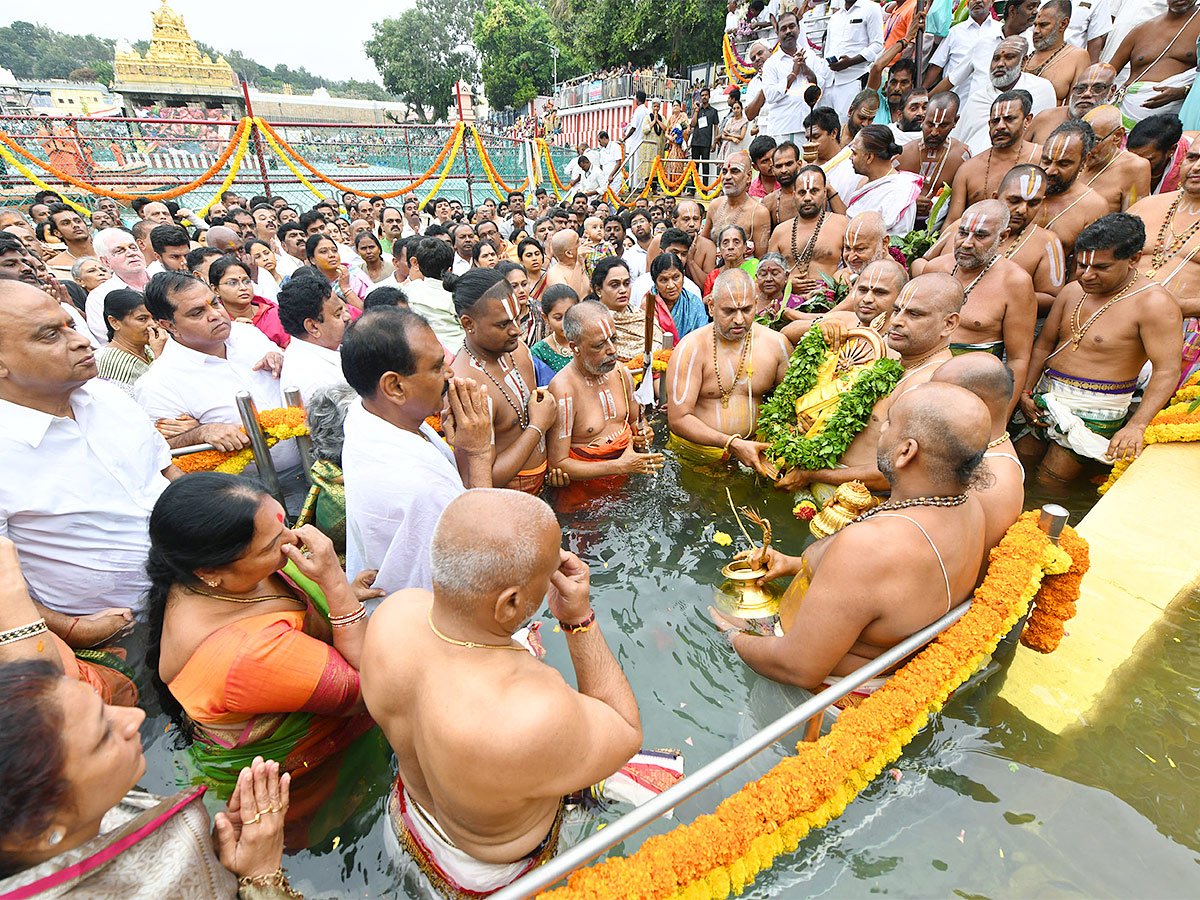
(554, 56)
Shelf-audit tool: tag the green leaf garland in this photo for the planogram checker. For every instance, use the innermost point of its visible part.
(777, 421)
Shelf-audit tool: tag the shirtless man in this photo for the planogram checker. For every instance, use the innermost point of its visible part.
(1094, 87)
(1088, 356)
(1038, 251)
(1053, 58)
(999, 313)
(485, 775)
(494, 356)
(810, 242)
(866, 240)
(1168, 260)
(1161, 54)
(782, 203)
(980, 175)
(1003, 494)
(1120, 177)
(924, 316)
(736, 207)
(599, 428)
(72, 230)
(870, 301)
(568, 268)
(718, 375)
(936, 157)
(702, 258)
(1070, 204)
(885, 577)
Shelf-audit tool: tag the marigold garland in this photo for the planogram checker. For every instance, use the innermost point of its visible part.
(238, 135)
(234, 166)
(499, 186)
(1178, 421)
(277, 424)
(1055, 603)
(722, 853)
(288, 162)
(458, 139)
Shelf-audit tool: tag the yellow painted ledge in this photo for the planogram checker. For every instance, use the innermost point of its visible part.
(1141, 535)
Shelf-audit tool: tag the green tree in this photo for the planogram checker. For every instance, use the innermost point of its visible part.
(419, 60)
(516, 67)
(604, 32)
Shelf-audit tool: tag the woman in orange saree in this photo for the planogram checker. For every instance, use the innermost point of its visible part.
(254, 648)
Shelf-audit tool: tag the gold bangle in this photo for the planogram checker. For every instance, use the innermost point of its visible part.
(730, 440)
(273, 879)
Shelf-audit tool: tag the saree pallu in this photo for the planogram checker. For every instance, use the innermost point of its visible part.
(325, 505)
(261, 686)
(1191, 350)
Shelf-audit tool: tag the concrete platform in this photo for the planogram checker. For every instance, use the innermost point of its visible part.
(1142, 539)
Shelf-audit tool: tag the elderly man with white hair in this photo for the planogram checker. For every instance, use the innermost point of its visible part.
(118, 250)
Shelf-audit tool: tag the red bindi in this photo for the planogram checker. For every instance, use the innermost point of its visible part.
(279, 516)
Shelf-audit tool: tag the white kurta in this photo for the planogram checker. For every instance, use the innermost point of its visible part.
(310, 367)
(397, 484)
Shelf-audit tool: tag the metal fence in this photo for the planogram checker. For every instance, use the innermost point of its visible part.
(142, 156)
(587, 91)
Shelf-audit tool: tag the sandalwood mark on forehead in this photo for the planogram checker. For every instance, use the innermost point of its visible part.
(1056, 147)
(938, 116)
(854, 232)
(1030, 183)
(974, 220)
(606, 329)
(906, 297)
(1088, 257)
(510, 307)
(810, 181)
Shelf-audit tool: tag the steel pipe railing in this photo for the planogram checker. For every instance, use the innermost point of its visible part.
(1052, 521)
(292, 397)
(258, 443)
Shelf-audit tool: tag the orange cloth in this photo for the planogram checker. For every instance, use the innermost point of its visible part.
(113, 687)
(898, 23)
(530, 481)
(578, 493)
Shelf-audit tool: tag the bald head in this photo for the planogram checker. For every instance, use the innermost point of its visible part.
(224, 239)
(492, 542)
(564, 244)
(888, 271)
(983, 375)
(949, 426)
(869, 225)
(942, 291)
(1107, 122)
(583, 315)
(733, 283)
(1101, 79)
(1012, 44)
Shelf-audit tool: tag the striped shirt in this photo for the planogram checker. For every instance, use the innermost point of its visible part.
(121, 367)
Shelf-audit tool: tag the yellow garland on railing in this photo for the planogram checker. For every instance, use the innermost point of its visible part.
(287, 160)
(348, 189)
(119, 195)
(234, 166)
(723, 852)
(277, 424)
(16, 163)
(559, 187)
(1175, 422)
(736, 74)
(499, 186)
(458, 138)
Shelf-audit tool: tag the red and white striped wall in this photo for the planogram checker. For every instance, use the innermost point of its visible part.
(580, 125)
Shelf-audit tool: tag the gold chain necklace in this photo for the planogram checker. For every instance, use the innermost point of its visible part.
(1164, 249)
(997, 442)
(970, 287)
(470, 645)
(745, 351)
(1040, 69)
(1077, 331)
(922, 360)
(214, 595)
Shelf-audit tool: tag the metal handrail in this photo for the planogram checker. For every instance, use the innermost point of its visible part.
(1052, 520)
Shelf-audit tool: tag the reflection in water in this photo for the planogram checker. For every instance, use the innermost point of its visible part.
(982, 803)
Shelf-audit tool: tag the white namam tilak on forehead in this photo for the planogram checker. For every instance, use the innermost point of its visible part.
(510, 307)
(1056, 145)
(1087, 258)
(906, 297)
(810, 181)
(873, 281)
(939, 115)
(606, 329)
(973, 220)
(1029, 183)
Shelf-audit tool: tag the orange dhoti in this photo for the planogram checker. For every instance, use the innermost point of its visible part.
(577, 493)
(530, 481)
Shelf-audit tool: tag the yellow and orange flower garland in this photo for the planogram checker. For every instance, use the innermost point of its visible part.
(723, 852)
(499, 186)
(1055, 603)
(658, 363)
(278, 424)
(1179, 420)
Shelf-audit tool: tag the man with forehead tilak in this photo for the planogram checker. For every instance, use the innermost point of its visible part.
(1086, 362)
(1000, 311)
(1038, 251)
(1070, 204)
(866, 240)
(702, 255)
(599, 438)
(924, 316)
(811, 241)
(494, 356)
(736, 207)
(936, 157)
(1120, 177)
(871, 299)
(1173, 247)
(980, 175)
(782, 202)
(1094, 87)
(717, 377)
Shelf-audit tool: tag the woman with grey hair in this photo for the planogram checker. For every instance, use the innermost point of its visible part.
(325, 505)
(772, 306)
(89, 272)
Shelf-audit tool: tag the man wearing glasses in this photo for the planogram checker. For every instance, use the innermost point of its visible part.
(1095, 87)
(1119, 176)
(118, 250)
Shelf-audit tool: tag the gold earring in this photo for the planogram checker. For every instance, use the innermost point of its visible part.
(211, 583)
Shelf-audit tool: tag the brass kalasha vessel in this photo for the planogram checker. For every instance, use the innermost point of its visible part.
(743, 594)
(848, 501)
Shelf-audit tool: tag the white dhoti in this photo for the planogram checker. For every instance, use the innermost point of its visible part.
(1133, 108)
(1083, 414)
(840, 96)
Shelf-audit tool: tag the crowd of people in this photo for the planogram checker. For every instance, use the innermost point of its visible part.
(1026, 260)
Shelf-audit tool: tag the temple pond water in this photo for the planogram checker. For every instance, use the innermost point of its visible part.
(983, 802)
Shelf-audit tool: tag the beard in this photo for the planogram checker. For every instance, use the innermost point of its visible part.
(1056, 185)
(883, 462)
(911, 124)
(787, 180)
(1044, 43)
(1006, 79)
(603, 369)
(972, 261)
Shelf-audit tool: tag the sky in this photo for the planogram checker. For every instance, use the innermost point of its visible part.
(325, 38)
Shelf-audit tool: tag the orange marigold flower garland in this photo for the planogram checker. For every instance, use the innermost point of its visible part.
(1056, 600)
(1179, 420)
(278, 424)
(722, 853)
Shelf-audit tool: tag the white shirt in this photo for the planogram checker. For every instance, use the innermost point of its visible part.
(1090, 19)
(286, 264)
(433, 303)
(785, 105)
(266, 286)
(841, 175)
(94, 307)
(972, 127)
(903, 137)
(636, 121)
(854, 31)
(974, 68)
(79, 323)
(205, 387)
(753, 89)
(608, 158)
(893, 196)
(155, 267)
(459, 265)
(80, 524)
(635, 258)
(960, 44)
(310, 367)
(397, 485)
